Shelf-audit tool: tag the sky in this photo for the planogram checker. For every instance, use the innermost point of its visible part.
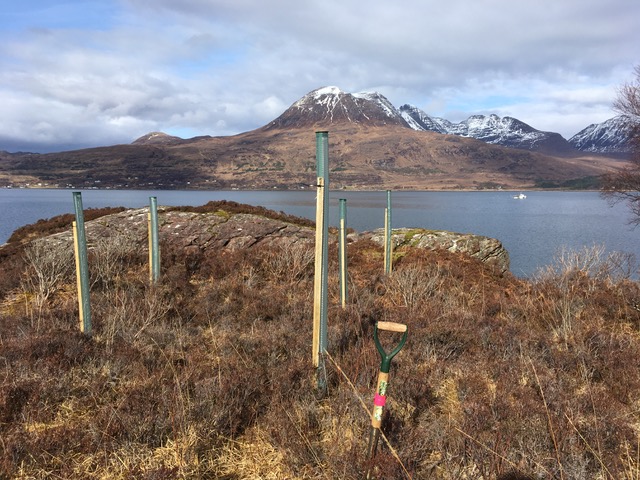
(85, 73)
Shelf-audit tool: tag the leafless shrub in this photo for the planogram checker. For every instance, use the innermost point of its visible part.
(619, 266)
(49, 266)
(566, 285)
(111, 256)
(289, 262)
(593, 261)
(409, 285)
(129, 312)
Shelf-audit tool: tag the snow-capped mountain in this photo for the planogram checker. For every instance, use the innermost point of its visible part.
(506, 131)
(329, 105)
(373, 145)
(419, 120)
(610, 136)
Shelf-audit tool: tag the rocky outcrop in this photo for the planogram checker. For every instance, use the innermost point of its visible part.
(193, 234)
(485, 249)
(189, 231)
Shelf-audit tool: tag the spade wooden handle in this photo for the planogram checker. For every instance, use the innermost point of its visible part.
(392, 327)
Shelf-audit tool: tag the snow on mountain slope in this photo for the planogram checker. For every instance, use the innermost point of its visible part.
(328, 105)
(381, 101)
(507, 131)
(610, 136)
(419, 120)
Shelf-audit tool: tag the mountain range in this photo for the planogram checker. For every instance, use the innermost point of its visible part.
(506, 131)
(374, 109)
(609, 137)
(373, 145)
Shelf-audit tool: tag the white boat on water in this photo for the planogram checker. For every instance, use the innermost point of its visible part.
(522, 196)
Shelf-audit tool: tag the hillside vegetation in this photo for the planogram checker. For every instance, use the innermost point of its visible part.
(208, 374)
(362, 158)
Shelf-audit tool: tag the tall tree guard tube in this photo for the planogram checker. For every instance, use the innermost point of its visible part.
(82, 265)
(388, 246)
(154, 244)
(320, 302)
(343, 252)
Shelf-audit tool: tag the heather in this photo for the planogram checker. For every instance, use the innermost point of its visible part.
(208, 373)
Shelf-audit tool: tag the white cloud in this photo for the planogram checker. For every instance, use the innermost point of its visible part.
(221, 67)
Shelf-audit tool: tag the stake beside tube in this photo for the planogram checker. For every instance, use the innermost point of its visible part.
(82, 265)
(320, 303)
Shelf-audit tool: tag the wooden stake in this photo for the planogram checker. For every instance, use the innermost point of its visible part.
(317, 284)
(76, 251)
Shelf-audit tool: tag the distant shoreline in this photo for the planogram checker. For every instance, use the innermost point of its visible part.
(310, 187)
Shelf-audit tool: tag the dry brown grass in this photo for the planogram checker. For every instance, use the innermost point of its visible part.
(208, 375)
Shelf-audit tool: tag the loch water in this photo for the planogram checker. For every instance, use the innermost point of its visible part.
(533, 229)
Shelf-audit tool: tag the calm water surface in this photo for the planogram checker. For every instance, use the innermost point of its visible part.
(532, 230)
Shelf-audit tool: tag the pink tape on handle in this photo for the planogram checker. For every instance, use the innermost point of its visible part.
(379, 400)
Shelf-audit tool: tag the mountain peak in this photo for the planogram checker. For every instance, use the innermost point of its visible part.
(610, 136)
(157, 138)
(330, 90)
(328, 106)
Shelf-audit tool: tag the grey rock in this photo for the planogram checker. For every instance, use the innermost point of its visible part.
(196, 234)
(486, 249)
